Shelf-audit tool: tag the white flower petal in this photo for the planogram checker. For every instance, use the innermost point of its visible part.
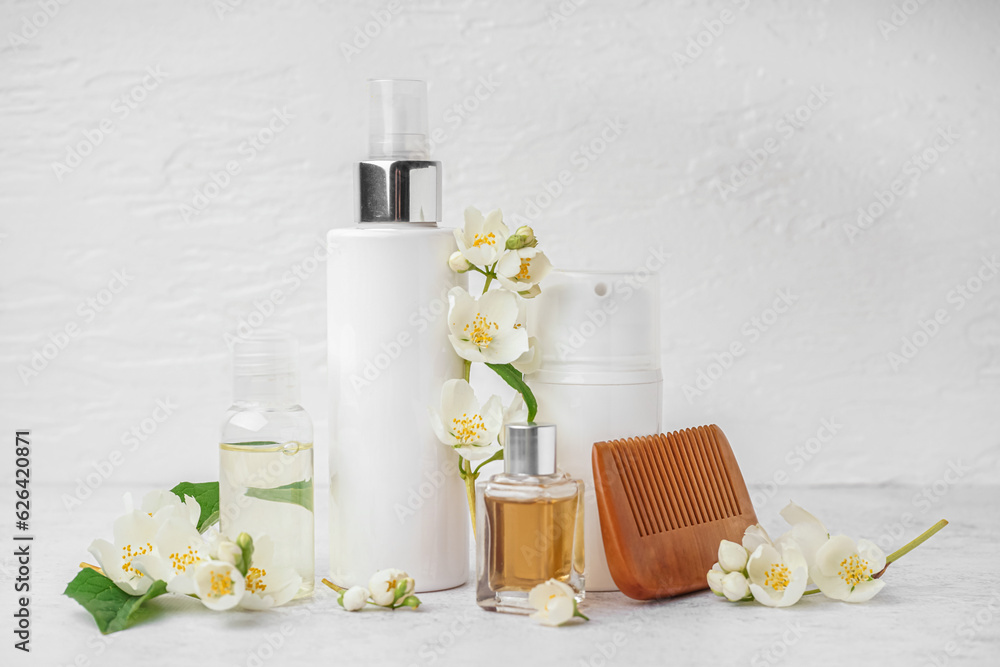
(735, 586)
(105, 553)
(515, 413)
(506, 347)
(473, 220)
(556, 612)
(829, 573)
(477, 452)
(761, 560)
(219, 586)
(873, 554)
(865, 591)
(499, 307)
(461, 309)
(136, 528)
(458, 398)
(714, 578)
(494, 222)
(732, 556)
(355, 598)
(530, 361)
(540, 595)
(492, 412)
(754, 536)
(521, 270)
(437, 424)
(465, 349)
(382, 585)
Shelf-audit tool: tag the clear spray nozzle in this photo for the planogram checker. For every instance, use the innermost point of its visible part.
(397, 122)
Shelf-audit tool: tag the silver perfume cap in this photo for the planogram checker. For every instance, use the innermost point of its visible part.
(530, 449)
(398, 182)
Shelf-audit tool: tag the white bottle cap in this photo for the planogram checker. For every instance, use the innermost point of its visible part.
(397, 121)
(266, 368)
(597, 327)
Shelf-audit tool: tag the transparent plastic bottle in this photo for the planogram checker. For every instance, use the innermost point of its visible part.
(266, 454)
(530, 523)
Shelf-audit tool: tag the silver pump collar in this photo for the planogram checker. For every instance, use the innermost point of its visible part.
(388, 191)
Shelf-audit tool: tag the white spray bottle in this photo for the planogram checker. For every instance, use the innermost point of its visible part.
(396, 499)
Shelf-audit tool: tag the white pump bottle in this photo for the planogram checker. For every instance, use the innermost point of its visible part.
(396, 499)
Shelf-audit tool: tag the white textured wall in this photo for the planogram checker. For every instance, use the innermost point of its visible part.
(549, 84)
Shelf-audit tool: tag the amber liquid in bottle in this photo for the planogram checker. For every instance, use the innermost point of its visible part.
(532, 541)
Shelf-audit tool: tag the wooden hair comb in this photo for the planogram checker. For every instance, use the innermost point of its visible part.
(666, 501)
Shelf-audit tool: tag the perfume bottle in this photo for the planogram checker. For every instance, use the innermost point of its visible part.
(266, 454)
(530, 523)
(396, 498)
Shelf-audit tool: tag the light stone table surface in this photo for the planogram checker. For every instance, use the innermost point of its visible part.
(941, 605)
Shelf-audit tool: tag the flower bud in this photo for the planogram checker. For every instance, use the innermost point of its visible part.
(735, 587)
(732, 556)
(523, 237)
(385, 586)
(354, 598)
(715, 576)
(229, 552)
(404, 587)
(458, 263)
(244, 541)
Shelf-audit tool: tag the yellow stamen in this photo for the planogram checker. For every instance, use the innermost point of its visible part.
(468, 429)
(854, 570)
(222, 584)
(130, 553)
(525, 272)
(180, 561)
(254, 583)
(481, 334)
(777, 577)
(484, 239)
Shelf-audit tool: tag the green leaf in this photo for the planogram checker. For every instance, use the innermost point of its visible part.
(297, 493)
(207, 495)
(515, 379)
(112, 608)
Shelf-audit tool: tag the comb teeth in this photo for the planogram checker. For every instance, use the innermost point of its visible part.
(675, 481)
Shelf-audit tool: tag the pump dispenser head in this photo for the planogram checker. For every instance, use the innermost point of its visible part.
(530, 449)
(397, 120)
(398, 182)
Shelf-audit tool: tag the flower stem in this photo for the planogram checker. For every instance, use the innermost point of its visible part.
(470, 493)
(466, 369)
(92, 567)
(333, 585)
(915, 542)
(490, 275)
